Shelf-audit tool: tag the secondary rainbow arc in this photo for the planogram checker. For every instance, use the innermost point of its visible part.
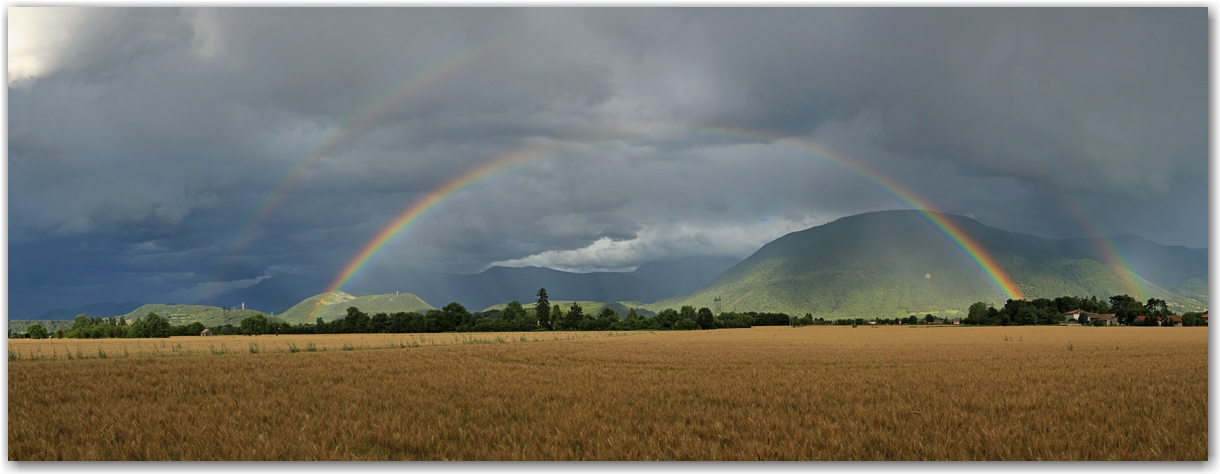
(350, 125)
(526, 156)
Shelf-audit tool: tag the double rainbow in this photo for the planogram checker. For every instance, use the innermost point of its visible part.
(510, 162)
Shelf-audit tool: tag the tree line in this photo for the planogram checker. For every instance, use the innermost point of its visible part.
(84, 327)
(453, 317)
(1125, 309)
(543, 316)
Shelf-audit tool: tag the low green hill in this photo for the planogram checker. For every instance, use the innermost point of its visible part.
(18, 326)
(333, 305)
(182, 314)
(893, 263)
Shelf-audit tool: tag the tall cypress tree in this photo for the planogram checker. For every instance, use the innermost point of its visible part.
(543, 310)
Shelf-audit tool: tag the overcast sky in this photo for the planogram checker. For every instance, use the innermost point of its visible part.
(163, 155)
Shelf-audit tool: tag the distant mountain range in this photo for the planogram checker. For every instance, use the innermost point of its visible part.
(93, 310)
(888, 263)
(497, 285)
(892, 263)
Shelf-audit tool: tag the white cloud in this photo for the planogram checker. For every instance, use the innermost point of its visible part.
(665, 242)
(37, 40)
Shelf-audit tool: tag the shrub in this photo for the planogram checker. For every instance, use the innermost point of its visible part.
(36, 331)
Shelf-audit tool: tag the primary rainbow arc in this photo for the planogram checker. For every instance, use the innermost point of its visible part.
(526, 156)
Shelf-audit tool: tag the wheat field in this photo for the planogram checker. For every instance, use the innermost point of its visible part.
(767, 393)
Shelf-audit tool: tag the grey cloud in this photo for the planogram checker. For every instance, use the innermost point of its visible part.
(150, 150)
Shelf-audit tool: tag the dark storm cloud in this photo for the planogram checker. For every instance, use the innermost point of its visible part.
(143, 142)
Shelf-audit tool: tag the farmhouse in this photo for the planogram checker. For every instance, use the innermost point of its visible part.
(1106, 319)
(1074, 315)
(206, 332)
(1176, 321)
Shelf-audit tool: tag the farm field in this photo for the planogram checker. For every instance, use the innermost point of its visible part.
(813, 393)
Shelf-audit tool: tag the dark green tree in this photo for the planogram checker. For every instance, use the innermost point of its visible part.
(379, 323)
(254, 325)
(1027, 316)
(452, 315)
(705, 319)
(81, 322)
(356, 321)
(977, 313)
(1094, 305)
(36, 331)
(688, 312)
(1157, 306)
(194, 328)
(606, 319)
(152, 325)
(1118, 302)
(542, 310)
(1128, 313)
(666, 318)
(634, 321)
(993, 315)
(1064, 304)
(513, 313)
(575, 315)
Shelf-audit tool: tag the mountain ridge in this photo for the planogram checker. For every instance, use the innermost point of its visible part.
(892, 262)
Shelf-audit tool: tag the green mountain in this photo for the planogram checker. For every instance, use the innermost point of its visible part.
(333, 305)
(182, 314)
(893, 263)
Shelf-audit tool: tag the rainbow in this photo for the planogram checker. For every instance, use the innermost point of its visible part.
(539, 152)
(371, 110)
(1111, 253)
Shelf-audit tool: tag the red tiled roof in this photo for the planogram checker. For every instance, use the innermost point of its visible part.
(1103, 317)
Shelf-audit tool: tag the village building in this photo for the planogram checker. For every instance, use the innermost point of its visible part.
(1106, 319)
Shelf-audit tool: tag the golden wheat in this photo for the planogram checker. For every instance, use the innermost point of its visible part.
(832, 393)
